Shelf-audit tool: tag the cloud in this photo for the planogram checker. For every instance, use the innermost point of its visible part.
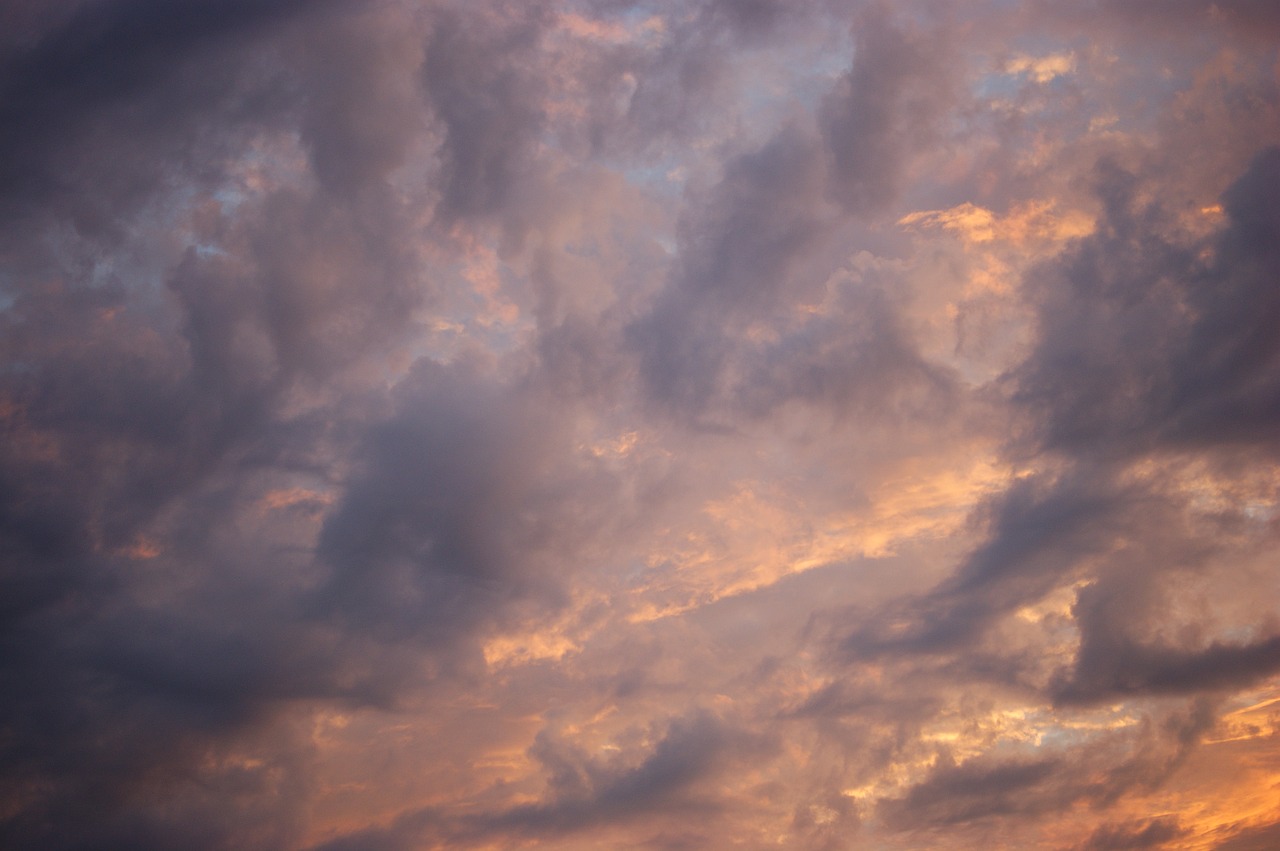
(883, 109)
(639, 425)
(586, 792)
(454, 498)
(488, 105)
(1245, 18)
(91, 68)
(1169, 359)
(1112, 662)
(1151, 834)
(759, 220)
(1250, 839)
(967, 794)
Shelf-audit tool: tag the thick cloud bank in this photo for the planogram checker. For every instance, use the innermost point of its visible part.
(663, 425)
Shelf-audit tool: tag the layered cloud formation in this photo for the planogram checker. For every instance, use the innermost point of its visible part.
(589, 424)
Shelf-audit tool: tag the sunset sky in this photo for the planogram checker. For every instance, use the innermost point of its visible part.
(670, 425)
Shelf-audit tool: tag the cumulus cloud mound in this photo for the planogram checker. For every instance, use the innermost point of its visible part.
(586, 424)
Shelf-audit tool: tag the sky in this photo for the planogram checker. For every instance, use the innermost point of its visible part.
(682, 424)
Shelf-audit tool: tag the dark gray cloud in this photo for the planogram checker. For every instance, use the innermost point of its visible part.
(1113, 662)
(153, 405)
(456, 500)
(752, 18)
(1039, 532)
(859, 363)
(885, 108)
(736, 261)
(1178, 350)
(362, 115)
(967, 792)
(956, 795)
(1247, 18)
(489, 103)
(744, 242)
(101, 73)
(588, 792)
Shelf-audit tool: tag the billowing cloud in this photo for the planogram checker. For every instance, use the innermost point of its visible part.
(594, 424)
